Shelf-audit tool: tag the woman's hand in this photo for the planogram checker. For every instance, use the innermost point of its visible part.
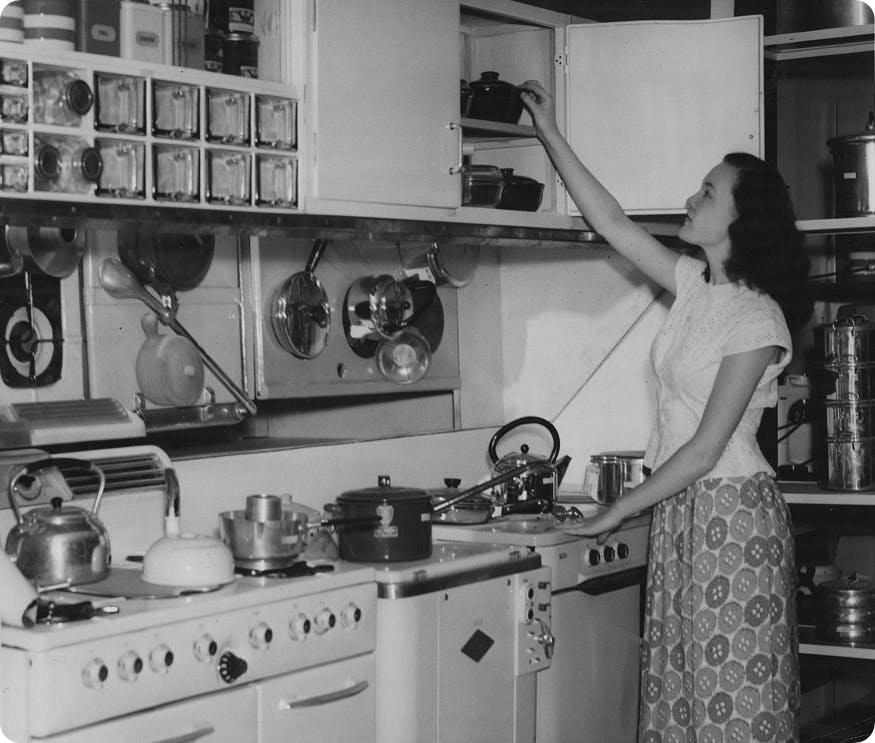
(601, 526)
(540, 105)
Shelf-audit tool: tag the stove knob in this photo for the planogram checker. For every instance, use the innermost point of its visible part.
(161, 658)
(324, 621)
(351, 615)
(205, 648)
(299, 627)
(129, 666)
(231, 667)
(94, 673)
(260, 635)
(622, 550)
(593, 557)
(609, 554)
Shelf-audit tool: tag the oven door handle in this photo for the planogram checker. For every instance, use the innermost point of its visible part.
(188, 737)
(331, 696)
(614, 582)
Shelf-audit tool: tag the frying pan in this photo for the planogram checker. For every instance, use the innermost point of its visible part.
(300, 312)
(171, 262)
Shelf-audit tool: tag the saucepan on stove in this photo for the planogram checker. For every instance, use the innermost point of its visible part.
(393, 524)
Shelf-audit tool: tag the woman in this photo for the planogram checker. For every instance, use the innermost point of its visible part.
(719, 657)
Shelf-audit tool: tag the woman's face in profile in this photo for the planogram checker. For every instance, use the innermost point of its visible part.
(711, 209)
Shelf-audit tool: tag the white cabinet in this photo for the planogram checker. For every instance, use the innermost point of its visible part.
(385, 104)
(642, 104)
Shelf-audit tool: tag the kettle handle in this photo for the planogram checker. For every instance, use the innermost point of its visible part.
(525, 420)
(41, 464)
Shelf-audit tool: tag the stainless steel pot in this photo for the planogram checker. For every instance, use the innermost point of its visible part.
(849, 463)
(848, 340)
(854, 171)
(58, 544)
(813, 15)
(843, 382)
(845, 609)
(850, 418)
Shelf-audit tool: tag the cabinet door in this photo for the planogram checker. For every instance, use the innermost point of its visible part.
(653, 106)
(386, 92)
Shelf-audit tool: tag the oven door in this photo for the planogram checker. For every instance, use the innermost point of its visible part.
(590, 692)
(224, 717)
(331, 702)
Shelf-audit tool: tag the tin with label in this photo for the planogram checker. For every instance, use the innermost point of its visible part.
(121, 103)
(229, 177)
(176, 172)
(175, 110)
(97, 27)
(141, 31)
(50, 24)
(240, 54)
(232, 16)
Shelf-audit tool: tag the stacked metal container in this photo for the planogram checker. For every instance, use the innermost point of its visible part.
(844, 387)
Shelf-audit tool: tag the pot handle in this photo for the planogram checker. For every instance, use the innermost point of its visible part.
(525, 420)
(41, 464)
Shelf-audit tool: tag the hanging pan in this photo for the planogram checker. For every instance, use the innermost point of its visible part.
(300, 312)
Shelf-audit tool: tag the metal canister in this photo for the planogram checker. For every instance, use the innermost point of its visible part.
(232, 16)
(183, 35)
(12, 22)
(50, 24)
(97, 27)
(141, 31)
(240, 54)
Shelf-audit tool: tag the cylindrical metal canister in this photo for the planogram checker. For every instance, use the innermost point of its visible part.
(141, 31)
(240, 54)
(50, 23)
(232, 16)
(12, 22)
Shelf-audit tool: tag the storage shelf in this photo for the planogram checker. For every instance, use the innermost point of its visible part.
(821, 43)
(811, 494)
(810, 644)
(861, 292)
(478, 129)
(837, 226)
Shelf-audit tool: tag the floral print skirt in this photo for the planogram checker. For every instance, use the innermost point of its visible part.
(720, 648)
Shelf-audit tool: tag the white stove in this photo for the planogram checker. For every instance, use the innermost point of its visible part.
(590, 691)
(248, 661)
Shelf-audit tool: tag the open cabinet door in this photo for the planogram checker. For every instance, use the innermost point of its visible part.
(654, 105)
(386, 90)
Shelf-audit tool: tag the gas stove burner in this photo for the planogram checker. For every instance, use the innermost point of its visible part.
(296, 570)
(30, 323)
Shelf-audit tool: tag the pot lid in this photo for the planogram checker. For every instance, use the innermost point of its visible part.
(384, 491)
(851, 585)
(60, 515)
(520, 459)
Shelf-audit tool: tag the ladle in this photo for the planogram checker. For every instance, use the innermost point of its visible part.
(119, 282)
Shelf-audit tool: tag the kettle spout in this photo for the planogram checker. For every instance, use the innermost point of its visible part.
(561, 467)
(171, 503)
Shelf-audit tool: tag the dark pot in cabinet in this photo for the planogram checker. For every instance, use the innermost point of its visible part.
(495, 100)
(520, 192)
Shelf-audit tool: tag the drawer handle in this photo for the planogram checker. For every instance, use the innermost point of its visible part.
(332, 696)
(188, 737)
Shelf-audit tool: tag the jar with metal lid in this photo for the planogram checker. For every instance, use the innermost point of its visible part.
(65, 164)
(482, 185)
(240, 54)
(60, 97)
(603, 478)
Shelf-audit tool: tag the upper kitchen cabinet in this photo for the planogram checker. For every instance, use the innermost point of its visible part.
(638, 100)
(385, 104)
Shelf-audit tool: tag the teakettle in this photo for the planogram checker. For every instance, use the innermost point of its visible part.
(546, 471)
(58, 544)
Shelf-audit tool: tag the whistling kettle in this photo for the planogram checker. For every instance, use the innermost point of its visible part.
(545, 472)
(57, 544)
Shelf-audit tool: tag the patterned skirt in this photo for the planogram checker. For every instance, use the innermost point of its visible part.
(720, 650)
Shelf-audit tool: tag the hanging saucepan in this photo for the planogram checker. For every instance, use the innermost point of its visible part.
(546, 472)
(391, 524)
(378, 307)
(170, 262)
(300, 313)
(56, 251)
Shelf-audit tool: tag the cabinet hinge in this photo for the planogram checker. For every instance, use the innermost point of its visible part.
(561, 60)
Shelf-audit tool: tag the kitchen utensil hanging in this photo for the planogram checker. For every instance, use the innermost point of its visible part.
(56, 251)
(300, 313)
(119, 282)
(170, 262)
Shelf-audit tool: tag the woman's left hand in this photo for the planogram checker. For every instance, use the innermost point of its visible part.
(601, 526)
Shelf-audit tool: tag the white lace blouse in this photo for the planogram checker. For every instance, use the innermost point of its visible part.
(706, 323)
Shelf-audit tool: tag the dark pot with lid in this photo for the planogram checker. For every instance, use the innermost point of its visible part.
(384, 523)
(495, 100)
(520, 192)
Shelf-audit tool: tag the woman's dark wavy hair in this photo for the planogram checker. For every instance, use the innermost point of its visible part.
(767, 250)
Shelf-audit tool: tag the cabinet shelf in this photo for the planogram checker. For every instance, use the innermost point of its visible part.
(837, 226)
(811, 494)
(478, 129)
(810, 644)
(821, 43)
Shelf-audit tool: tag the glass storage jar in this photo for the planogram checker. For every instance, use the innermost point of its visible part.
(65, 164)
(60, 97)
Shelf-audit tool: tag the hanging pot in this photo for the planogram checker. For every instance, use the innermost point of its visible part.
(56, 251)
(58, 544)
(171, 262)
(169, 368)
(380, 307)
(300, 313)
(545, 472)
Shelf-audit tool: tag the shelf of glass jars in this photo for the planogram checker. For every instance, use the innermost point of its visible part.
(91, 128)
(821, 43)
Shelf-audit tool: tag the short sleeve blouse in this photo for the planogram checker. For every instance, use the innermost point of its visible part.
(706, 323)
